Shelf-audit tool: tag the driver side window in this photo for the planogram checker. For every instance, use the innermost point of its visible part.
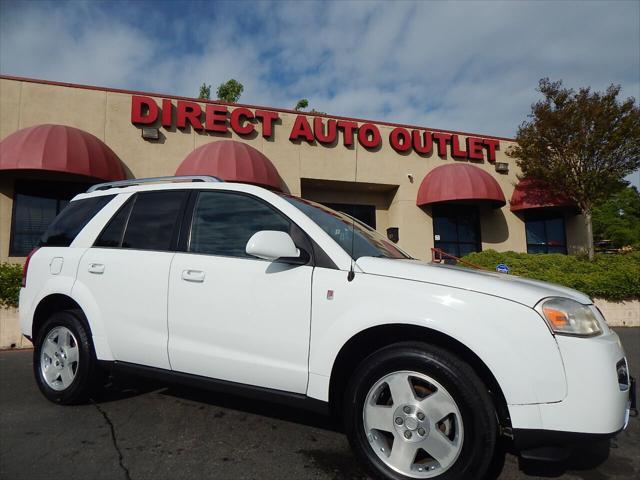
(224, 222)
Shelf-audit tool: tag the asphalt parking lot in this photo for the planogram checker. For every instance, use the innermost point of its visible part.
(139, 430)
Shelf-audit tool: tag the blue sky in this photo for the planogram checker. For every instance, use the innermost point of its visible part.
(461, 65)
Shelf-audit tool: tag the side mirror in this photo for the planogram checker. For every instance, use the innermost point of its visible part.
(271, 245)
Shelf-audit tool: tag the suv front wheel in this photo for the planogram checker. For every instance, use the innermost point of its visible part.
(413, 410)
(64, 363)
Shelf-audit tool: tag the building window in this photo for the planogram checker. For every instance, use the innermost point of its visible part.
(365, 213)
(35, 205)
(545, 233)
(456, 229)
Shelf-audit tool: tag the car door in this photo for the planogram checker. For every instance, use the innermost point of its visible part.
(234, 317)
(127, 271)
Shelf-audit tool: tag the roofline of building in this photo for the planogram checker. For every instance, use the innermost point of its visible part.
(218, 102)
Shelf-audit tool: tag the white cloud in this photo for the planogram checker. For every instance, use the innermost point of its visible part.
(71, 44)
(459, 65)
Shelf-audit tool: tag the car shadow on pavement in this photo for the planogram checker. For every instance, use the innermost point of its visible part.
(248, 405)
(582, 458)
(120, 387)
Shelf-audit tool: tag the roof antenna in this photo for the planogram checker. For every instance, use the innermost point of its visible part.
(352, 273)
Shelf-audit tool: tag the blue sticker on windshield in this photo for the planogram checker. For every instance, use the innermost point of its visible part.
(502, 268)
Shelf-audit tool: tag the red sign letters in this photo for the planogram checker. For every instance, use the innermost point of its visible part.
(325, 131)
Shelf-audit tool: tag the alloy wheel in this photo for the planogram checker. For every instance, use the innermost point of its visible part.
(59, 357)
(413, 424)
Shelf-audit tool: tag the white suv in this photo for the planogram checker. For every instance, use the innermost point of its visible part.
(236, 288)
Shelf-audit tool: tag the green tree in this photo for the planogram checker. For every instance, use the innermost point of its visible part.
(582, 144)
(618, 219)
(302, 104)
(230, 91)
(205, 91)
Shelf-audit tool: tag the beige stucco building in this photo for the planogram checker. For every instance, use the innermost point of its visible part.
(457, 195)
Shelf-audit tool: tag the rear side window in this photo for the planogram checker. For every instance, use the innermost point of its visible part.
(223, 223)
(154, 220)
(66, 226)
(111, 236)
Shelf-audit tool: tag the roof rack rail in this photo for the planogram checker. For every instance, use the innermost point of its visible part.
(141, 181)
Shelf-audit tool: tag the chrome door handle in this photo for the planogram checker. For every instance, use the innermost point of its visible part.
(96, 268)
(193, 275)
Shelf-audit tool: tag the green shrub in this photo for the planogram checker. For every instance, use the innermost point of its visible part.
(10, 279)
(612, 277)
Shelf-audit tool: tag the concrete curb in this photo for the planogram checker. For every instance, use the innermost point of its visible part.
(10, 336)
(620, 314)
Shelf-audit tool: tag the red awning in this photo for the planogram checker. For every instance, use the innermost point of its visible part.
(59, 148)
(530, 194)
(459, 182)
(234, 162)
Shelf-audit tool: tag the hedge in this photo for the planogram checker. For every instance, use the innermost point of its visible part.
(10, 279)
(612, 277)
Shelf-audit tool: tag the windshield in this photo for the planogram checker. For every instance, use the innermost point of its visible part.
(342, 228)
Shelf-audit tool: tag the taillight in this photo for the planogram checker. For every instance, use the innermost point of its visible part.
(26, 266)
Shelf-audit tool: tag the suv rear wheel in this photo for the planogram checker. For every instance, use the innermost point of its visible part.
(64, 362)
(413, 410)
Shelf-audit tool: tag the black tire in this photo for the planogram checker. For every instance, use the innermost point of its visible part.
(87, 372)
(456, 376)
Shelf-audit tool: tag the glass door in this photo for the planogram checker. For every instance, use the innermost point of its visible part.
(456, 229)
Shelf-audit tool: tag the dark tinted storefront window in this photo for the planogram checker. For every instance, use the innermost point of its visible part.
(154, 220)
(35, 205)
(223, 223)
(365, 213)
(456, 229)
(545, 233)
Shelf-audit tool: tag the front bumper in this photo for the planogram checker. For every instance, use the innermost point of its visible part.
(534, 439)
(596, 406)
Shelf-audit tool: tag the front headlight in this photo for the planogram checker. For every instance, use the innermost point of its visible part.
(568, 317)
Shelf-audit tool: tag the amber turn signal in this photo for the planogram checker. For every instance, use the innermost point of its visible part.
(557, 318)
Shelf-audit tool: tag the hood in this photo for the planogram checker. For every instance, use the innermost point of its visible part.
(521, 290)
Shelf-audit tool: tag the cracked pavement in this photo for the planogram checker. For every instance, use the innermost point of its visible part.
(141, 430)
(114, 439)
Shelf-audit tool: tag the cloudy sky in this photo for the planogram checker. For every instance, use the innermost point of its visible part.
(458, 65)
